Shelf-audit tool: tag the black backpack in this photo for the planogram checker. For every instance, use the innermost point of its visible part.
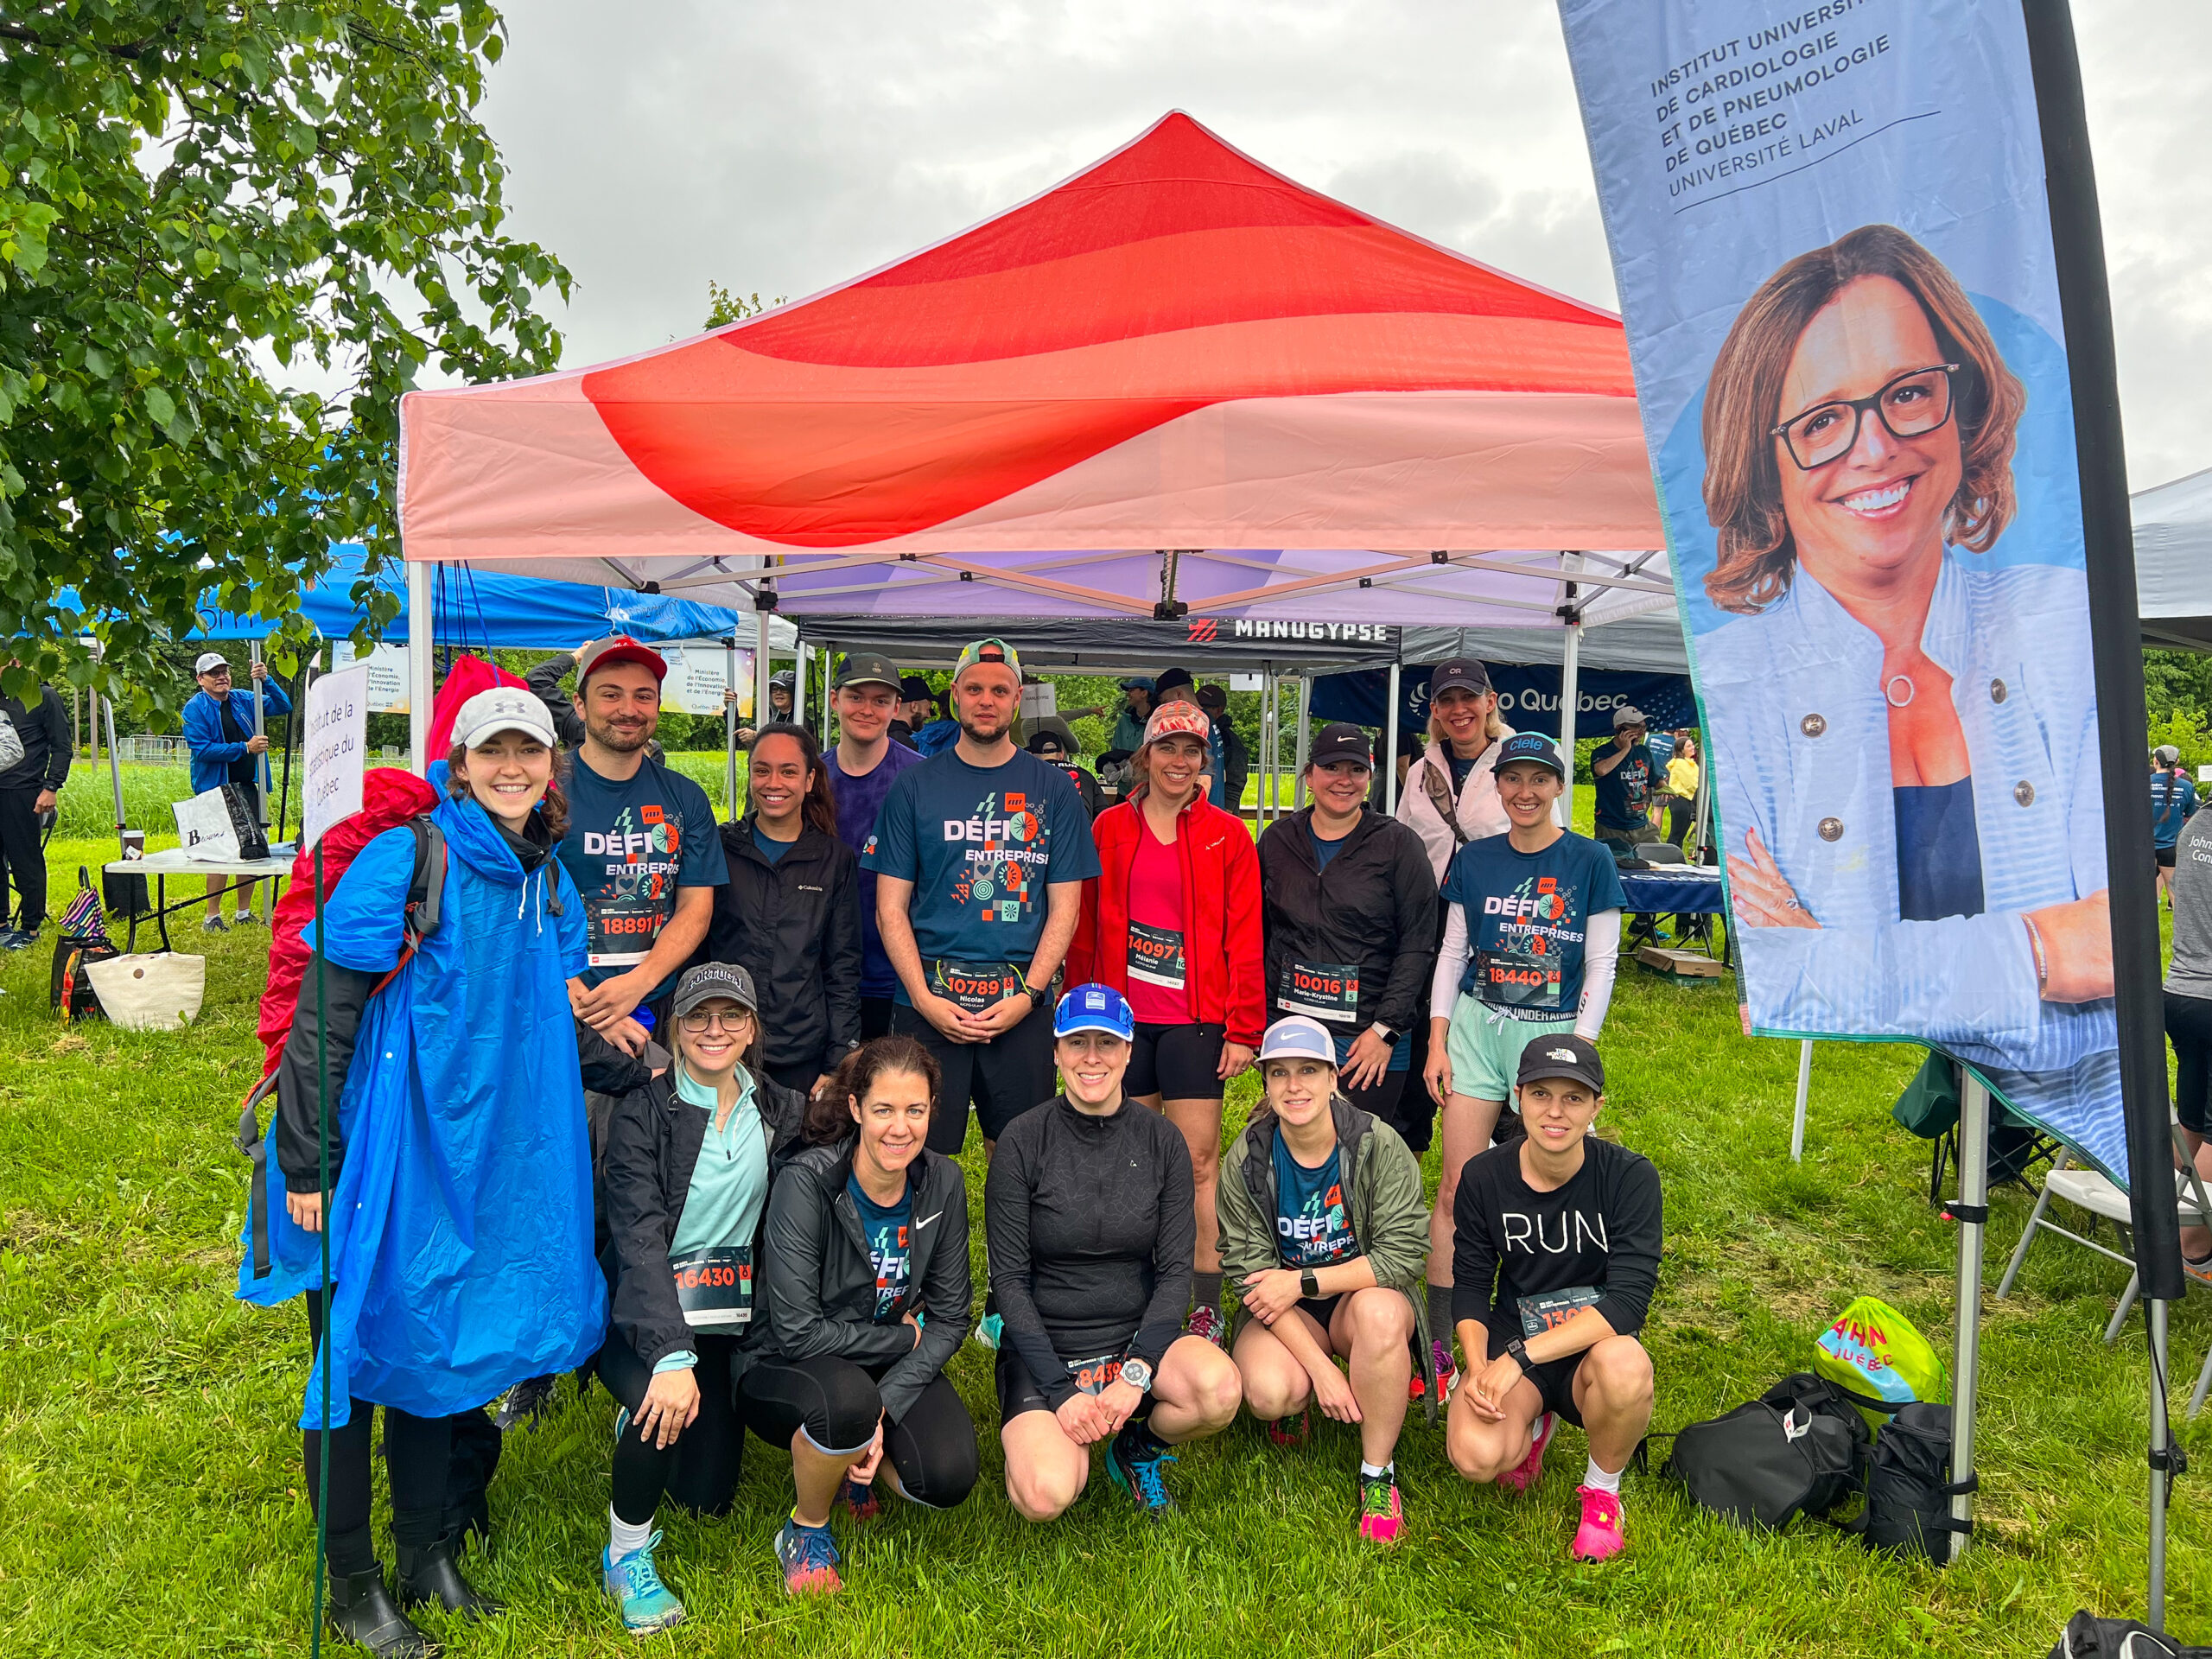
(1909, 1486)
(1798, 1449)
(2089, 1636)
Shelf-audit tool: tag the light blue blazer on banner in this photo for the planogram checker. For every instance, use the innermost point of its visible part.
(1800, 732)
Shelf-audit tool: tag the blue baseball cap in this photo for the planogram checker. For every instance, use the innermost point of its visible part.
(1095, 1008)
(1529, 745)
(1296, 1037)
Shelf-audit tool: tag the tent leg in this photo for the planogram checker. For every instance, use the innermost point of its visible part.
(801, 657)
(1303, 743)
(261, 771)
(421, 668)
(729, 729)
(763, 707)
(1570, 705)
(102, 707)
(2161, 1432)
(828, 673)
(1804, 1089)
(1973, 1196)
(1391, 749)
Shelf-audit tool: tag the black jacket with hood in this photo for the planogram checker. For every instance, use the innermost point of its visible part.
(821, 1280)
(795, 926)
(653, 1141)
(1374, 908)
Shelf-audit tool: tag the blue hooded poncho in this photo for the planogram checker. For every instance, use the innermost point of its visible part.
(460, 1222)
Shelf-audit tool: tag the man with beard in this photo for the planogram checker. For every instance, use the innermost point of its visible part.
(641, 845)
(980, 855)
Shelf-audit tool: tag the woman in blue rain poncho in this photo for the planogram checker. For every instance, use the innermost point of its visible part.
(460, 1201)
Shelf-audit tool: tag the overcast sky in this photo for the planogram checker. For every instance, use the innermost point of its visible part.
(782, 147)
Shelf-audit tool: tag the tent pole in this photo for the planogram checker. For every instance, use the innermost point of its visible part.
(1804, 1089)
(1972, 1211)
(1570, 706)
(730, 727)
(1391, 746)
(828, 673)
(2154, 1313)
(1267, 747)
(1301, 745)
(104, 707)
(802, 660)
(763, 707)
(422, 670)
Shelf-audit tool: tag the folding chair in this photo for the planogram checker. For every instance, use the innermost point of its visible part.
(2087, 1190)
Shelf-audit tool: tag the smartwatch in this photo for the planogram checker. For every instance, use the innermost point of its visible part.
(1308, 1286)
(1137, 1374)
(1519, 1349)
(1036, 997)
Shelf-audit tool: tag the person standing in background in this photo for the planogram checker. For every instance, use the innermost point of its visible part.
(1624, 771)
(1128, 725)
(2189, 1018)
(1679, 799)
(861, 769)
(1052, 742)
(218, 731)
(2173, 803)
(917, 708)
(1235, 759)
(35, 749)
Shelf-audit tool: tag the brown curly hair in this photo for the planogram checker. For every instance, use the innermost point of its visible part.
(1743, 480)
(828, 1121)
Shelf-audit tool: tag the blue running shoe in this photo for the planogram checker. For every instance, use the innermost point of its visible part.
(634, 1584)
(809, 1558)
(988, 1329)
(1134, 1462)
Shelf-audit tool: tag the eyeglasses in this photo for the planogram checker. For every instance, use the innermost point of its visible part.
(1911, 406)
(700, 1021)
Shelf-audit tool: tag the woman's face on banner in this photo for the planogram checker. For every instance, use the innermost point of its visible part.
(1880, 505)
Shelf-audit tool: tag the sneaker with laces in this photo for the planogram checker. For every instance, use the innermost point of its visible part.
(19, 938)
(634, 1585)
(1599, 1537)
(1444, 1369)
(860, 1498)
(1206, 1321)
(1293, 1431)
(1135, 1463)
(213, 923)
(1531, 1468)
(809, 1557)
(986, 1330)
(525, 1403)
(1382, 1508)
(245, 918)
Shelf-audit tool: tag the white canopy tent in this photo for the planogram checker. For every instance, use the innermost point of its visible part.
(2173, 562)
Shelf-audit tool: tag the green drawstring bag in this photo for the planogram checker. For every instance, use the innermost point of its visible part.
(1877, 1357)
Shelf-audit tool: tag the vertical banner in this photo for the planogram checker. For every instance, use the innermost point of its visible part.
(1829, 227)
(336, 750)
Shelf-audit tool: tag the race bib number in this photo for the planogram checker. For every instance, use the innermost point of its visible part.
(1155, 955)
(1506, 982)
(1094, 1376)
(1321, 990)
(715, 1288)
(620, 928)
(1555, 1308)
(975, 988)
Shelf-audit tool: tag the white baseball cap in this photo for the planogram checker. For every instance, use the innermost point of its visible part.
(1295, 1037)
(209, 661)
(503, 708)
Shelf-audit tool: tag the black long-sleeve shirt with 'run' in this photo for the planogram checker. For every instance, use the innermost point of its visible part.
(1599, 1232)
(1092, 1223)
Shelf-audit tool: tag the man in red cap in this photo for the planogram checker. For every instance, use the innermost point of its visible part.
(641, 844)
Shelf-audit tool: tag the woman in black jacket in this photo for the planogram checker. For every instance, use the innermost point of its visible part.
(868, 1296)
(687, 1170)
(1348, 902)
(791, 910)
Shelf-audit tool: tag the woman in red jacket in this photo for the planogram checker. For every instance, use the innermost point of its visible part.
(1172, 923)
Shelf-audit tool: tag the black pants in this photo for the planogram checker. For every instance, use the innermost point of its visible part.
(1005, 1076)
(2189, 1023)
(800, 1076)
(875, 1017)
(836, 1401)
(21, 858)
(439, 1468)
(1391, 1099)
(1682, 814)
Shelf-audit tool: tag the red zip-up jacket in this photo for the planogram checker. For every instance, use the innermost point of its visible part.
(1224, 952)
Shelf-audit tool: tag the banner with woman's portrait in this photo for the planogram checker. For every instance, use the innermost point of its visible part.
(1829, 225)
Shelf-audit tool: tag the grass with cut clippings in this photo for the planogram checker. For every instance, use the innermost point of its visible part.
(153, 1497)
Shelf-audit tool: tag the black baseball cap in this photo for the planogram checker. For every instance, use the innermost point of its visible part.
(1168, 679)
(1529, 745)
(867, 668)
(1339, 741)
(1457, 674)
(1562, 1056)
(913, 688)
(1050, 731)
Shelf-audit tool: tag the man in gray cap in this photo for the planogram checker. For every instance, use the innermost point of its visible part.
(1624, 771)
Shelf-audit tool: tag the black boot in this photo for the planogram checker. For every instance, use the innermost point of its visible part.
(361, 1610)
(429, 1574)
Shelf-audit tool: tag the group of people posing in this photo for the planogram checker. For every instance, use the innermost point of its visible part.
(585, 1082)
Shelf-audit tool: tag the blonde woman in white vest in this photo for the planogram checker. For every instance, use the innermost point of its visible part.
(1450, 795)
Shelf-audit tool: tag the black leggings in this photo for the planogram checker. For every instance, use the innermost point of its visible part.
(836, 1401)
(2189, 1023)
(438, 1467)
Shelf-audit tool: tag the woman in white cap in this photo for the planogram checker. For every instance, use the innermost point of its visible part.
(458, 1162)
(1172, 922)
(1324, 1230)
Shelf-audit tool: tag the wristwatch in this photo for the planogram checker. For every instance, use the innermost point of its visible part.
(1036, 996)
(1383, 1032)
(1308, 1286)
(1137, 1375)
(1519, 1349)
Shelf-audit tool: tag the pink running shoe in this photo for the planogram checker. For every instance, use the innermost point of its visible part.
(1208, 1323)
(1382, 1509)
(1530, 1469)
(1599, 1536)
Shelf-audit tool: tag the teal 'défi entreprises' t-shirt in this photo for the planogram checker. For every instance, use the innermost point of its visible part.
(1312, 1224)
(981, 844)
(1529, 920)
(631, 844)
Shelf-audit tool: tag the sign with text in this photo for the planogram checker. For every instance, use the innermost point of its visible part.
(698, 674)
(335, 751)
(1829, 227)
(386, 667)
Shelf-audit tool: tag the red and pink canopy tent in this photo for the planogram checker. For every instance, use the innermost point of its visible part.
(1178, 383)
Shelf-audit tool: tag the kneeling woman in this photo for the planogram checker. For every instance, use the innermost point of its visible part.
(686, 1171)
(868, 1297)
(1323, 1232)
(1555, 1254)
(1088, 1214)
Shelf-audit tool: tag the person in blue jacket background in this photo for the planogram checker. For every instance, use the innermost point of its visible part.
(461, 1187)
(2173, 803)
(218, 733)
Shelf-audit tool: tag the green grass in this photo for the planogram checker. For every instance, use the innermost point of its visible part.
(150, 1484)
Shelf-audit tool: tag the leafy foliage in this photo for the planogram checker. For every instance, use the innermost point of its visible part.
(191, 191)
(724, 307)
